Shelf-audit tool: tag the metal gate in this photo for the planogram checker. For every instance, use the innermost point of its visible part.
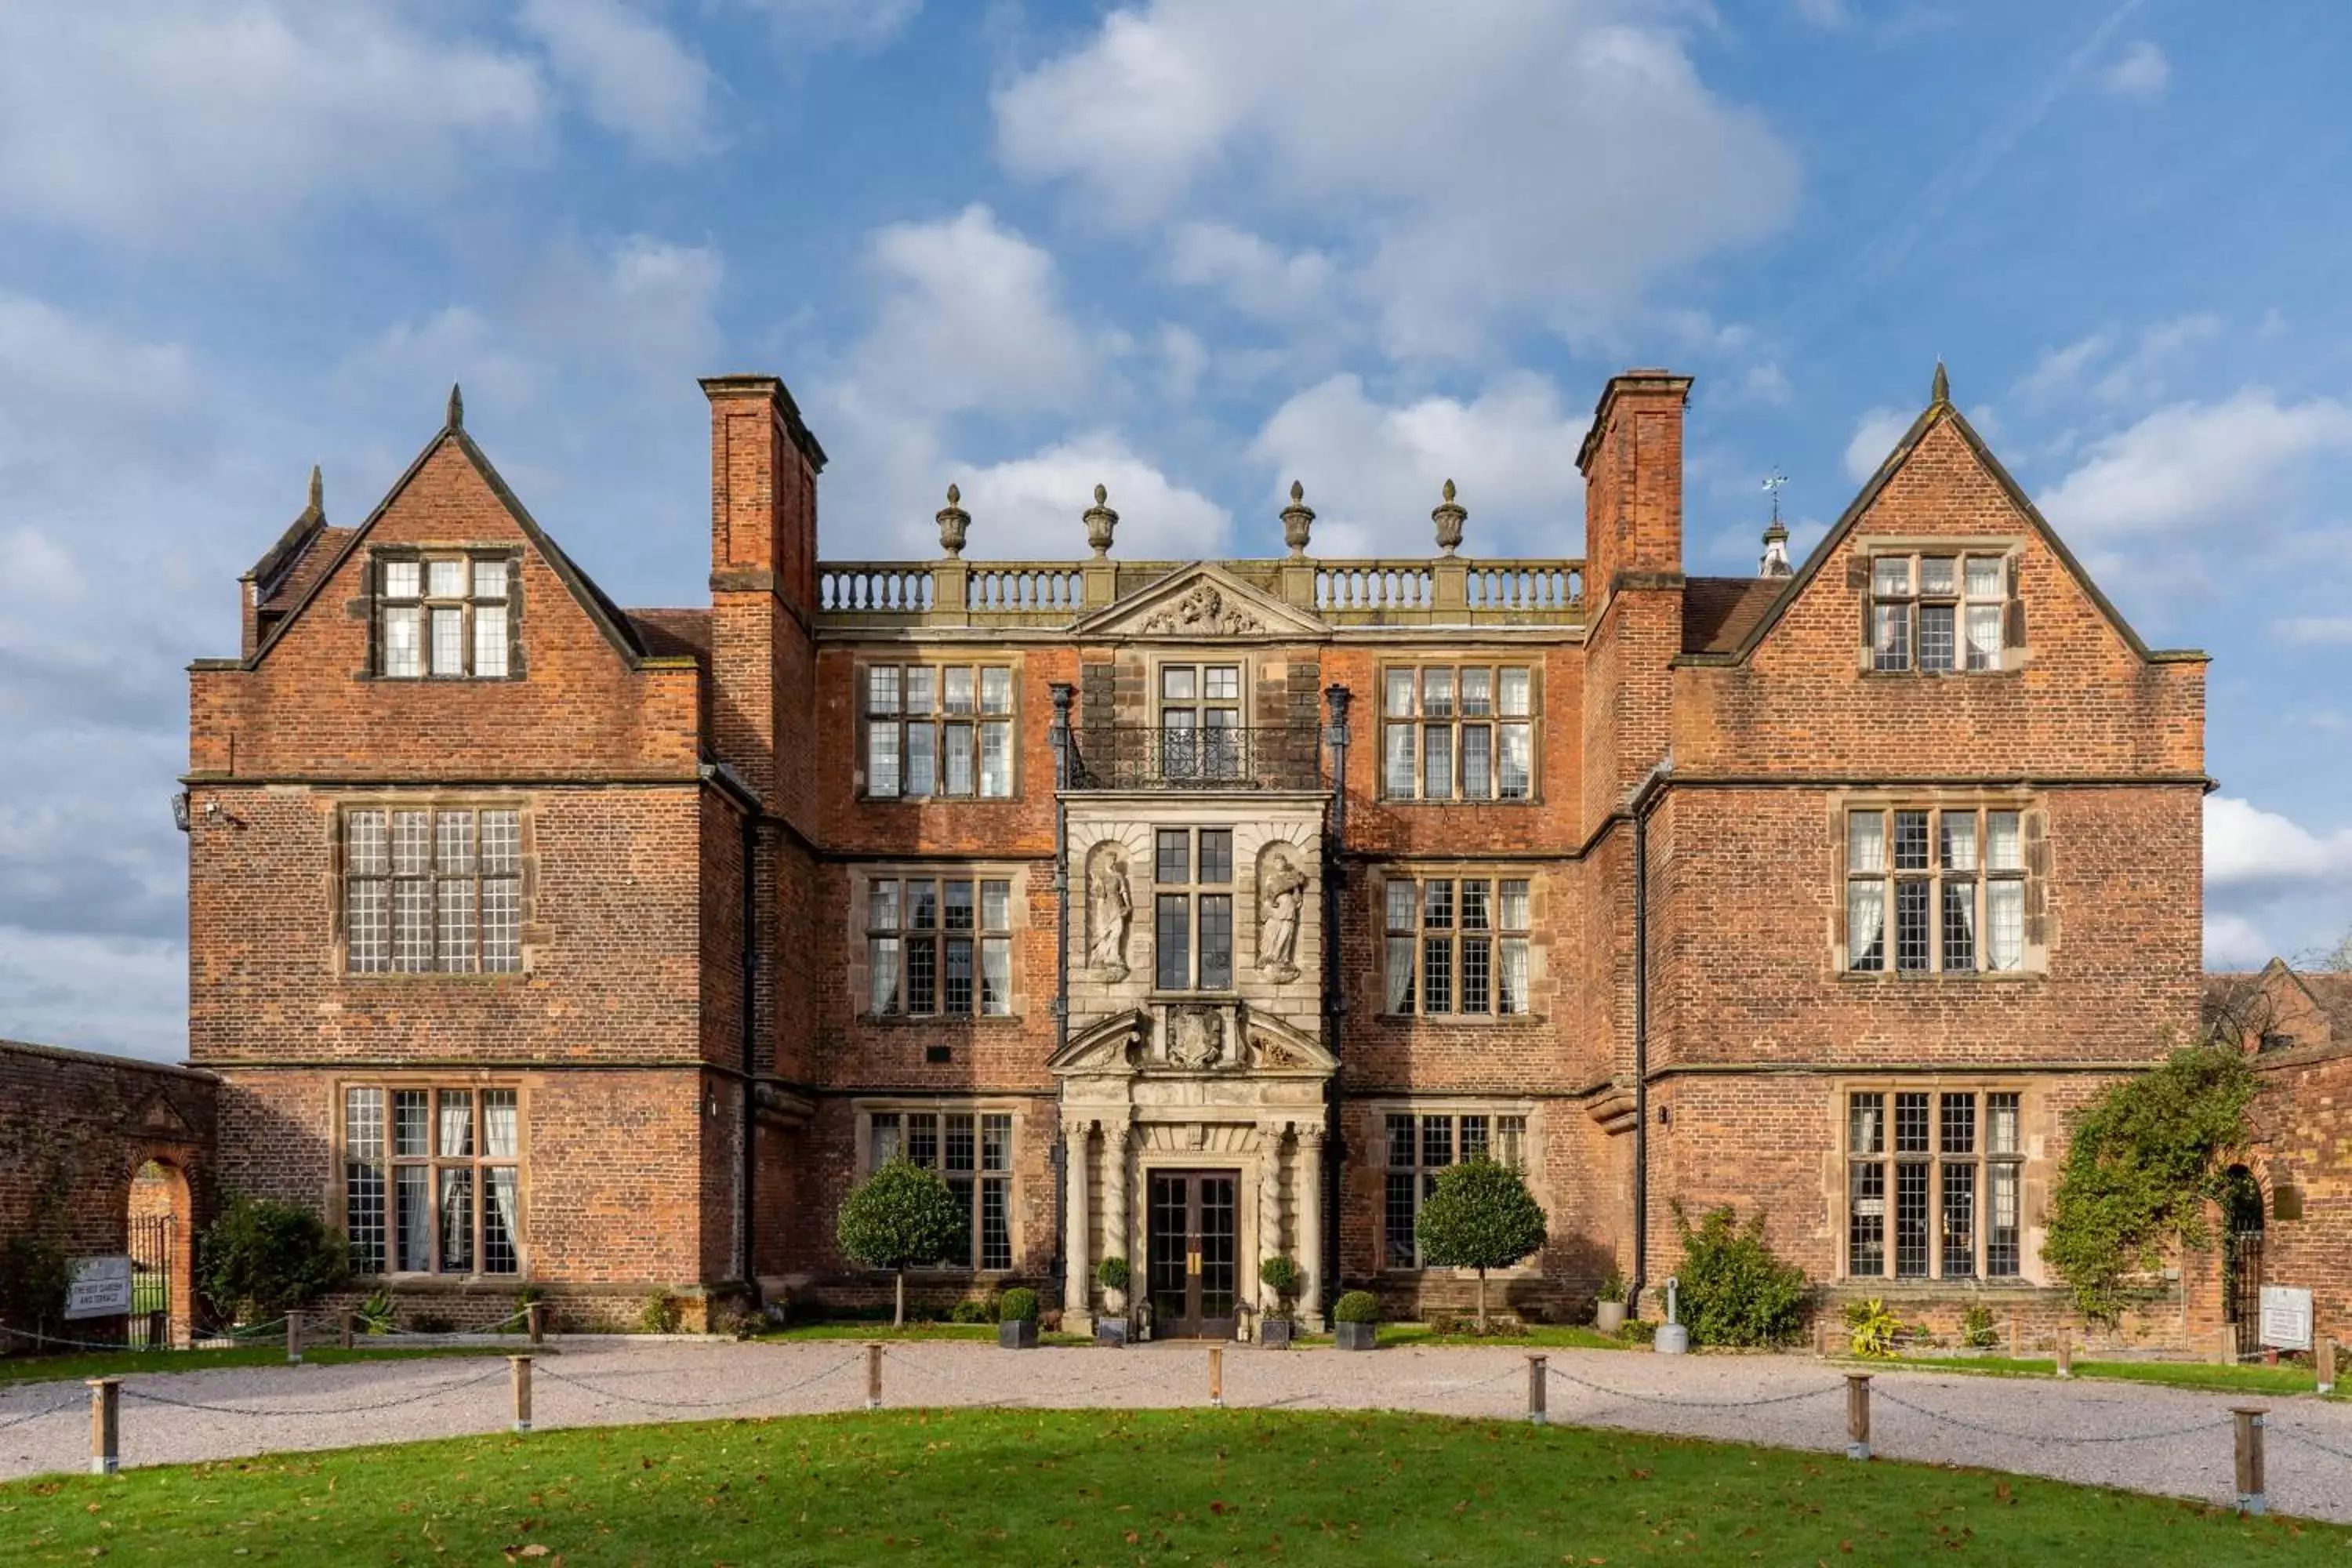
(151, 1244)
(2241, 1289)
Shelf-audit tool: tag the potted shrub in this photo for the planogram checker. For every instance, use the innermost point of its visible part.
(1280, 1275)
(1016, 1320)
(1609, 1312)
(1356, 1321)
(1112, 1274)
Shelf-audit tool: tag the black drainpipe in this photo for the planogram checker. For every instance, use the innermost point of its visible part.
(1644, 797)
(1063, 691)
(751, 1036)
(1334, 1003)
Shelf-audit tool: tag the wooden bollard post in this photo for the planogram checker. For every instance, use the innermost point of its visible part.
(2016, 1337)
(2065, 1353)
(293, 1339)
(1537, 1382)
(105, 1424)
(2249, 1424)
(534, 1321)
(1857, 1415)
(1217, 1375)
(351, 1329)
(521, 1365)
(2325, 1356)
(874, 1374)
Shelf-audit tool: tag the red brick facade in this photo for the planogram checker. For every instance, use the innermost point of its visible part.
(1689, 1030)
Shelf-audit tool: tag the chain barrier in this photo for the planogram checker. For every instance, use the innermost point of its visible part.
(751, 1398)
(1697, 1403)
(147, 1397)
(1878, 1392)
(73, 1403)
(2306, 1439)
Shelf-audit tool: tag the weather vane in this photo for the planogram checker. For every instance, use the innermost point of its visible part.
(1772, 482)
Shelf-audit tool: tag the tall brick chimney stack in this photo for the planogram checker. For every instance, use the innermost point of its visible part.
(764, 468)
(1631, 460)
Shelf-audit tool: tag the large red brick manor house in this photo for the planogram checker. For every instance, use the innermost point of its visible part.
(1187, 911)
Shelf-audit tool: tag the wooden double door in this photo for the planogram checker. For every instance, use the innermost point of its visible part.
(1195, 1251)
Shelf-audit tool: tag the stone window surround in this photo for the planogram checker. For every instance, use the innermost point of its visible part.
(937, 659)
(861, 979)
(336, 1207)
(378, 556)
(2034, 961)
(1376, 1113)
(1457, 660)
(2014, 653)
(430, 798)
(2035, 1121)
(1375, 913)
(863, 1111)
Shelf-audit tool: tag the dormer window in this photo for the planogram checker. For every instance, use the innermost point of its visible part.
(445, 616)
(1939, 614)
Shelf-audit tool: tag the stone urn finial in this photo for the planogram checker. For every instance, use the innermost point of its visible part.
(1100, 521)
(1298, 517)
(1449, 519)
(954, 523)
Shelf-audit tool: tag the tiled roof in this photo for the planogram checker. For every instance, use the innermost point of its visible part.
(317, 556)
(2334, 994)
(673, 634)
(1719, 612)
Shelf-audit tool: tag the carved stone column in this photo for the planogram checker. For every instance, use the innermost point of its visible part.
(1116, 1142)
(1077, 1297)
(1309, 1189)
(1269, 1194)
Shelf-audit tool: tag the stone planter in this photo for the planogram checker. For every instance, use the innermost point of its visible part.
(1357, 1336)
(1609, 1316)
(1110, 1332)
(1018, 1335)
(1275, 1332)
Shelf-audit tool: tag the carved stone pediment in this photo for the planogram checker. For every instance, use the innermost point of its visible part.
(1201, 602)
(1193, 1039)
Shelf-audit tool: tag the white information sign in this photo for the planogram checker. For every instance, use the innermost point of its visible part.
(2286, 1318)
(100, 1289)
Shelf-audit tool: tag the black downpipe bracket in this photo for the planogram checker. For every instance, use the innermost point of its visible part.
(1644, 797)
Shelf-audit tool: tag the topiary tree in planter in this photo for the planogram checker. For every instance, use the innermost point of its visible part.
(1282, 1276)
(1481, 1217)
(1356, 1320)
(1112, 1275)
(1016, 1320)
(899, 1217)
(266, 1257)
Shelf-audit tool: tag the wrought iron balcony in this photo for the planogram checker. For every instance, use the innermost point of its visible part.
(1144, 757)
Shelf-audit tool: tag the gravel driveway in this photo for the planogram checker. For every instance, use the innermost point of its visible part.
(2153, 1439)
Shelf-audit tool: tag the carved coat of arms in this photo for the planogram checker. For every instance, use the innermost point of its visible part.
(1203, 613)
(1196, 1037)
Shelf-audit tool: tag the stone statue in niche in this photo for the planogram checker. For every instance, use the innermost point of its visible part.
(1281, 898)
(1110, 907)
(1196, 1036)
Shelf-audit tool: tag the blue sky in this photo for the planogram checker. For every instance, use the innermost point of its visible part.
(1191, 249)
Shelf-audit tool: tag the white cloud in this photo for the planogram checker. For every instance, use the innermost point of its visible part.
(1032, 507)
(1874, 434)
(2138, 375)
(126, 994)
(1478, 150)
(1373, 471)
(1183, 357)
(2246, 847)
(162, 120)
(646, 303)
(2233, 941)
(2232, 464)
(2314, 631)
(1257, 278)
(858, 24)
(2141, 72)
(1830, 13)
(639, 81)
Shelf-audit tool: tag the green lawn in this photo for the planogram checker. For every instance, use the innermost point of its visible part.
(973, 1486)
(2284, 1379)
(123, 1363)
(1536, 1337)
(979, 1333)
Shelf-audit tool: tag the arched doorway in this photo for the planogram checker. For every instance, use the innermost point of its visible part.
(2242, 1258)
(161, 1223)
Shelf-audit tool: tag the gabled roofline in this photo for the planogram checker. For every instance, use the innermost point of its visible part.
(267, 572)
(1939, 410)
(607, 616)
(1289, 620)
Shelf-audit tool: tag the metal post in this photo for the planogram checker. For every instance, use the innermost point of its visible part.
(159, 1329)
(1857, 1415)
(105, 1424)
(521, 1366)
(534, 1320)
(2249, 1424)
(2326, 1358)
(2065, 1353)
(1217, 1375)
(874, 1374)
(293, 1339)
(1537, 1381)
